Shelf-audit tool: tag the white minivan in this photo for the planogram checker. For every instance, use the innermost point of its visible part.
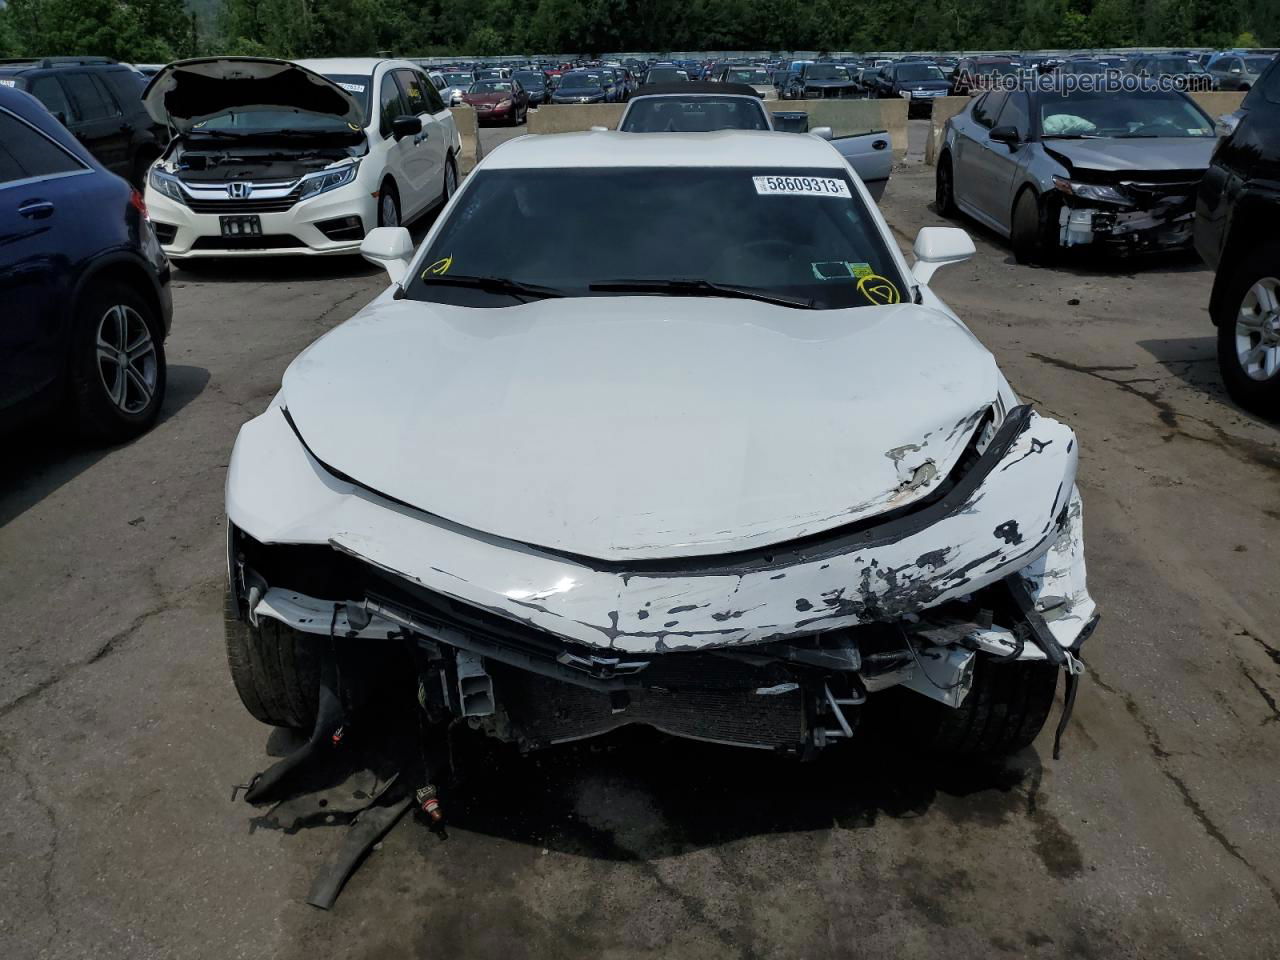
(274, 157)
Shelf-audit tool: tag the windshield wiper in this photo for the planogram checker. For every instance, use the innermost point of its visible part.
(514, 288)
(1072, 136)
(703, 288)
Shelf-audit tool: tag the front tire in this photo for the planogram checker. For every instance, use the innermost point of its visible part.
(119, 370)
(388, 205)
(1247, 314)
(945, 188)
(450, 186)
(275, 669)
(1030, 233)
(1005, 711)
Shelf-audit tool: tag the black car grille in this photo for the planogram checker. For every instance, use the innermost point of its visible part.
(229, 206)
(828, 93)
(719, 703)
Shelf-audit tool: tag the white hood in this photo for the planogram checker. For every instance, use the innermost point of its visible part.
(182, 94)
(625, 428)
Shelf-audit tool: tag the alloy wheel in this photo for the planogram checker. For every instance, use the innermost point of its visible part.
(390, 215)
(126, 359)
(1258, 330)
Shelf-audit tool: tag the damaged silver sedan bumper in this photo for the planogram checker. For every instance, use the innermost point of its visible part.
(768, 648)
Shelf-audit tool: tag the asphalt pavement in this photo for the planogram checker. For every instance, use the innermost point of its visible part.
(121, 738)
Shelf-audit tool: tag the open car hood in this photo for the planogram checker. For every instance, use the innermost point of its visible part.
(625, 428)
(188, 91)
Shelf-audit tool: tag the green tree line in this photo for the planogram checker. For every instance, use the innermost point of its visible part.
(148, 31)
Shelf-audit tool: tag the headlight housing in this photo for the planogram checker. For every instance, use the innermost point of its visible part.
(1096, 192)
(166, 184)
(504, 102)
(324, 180)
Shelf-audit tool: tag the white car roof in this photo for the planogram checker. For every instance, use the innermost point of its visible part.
(722, 148)
(351, 65)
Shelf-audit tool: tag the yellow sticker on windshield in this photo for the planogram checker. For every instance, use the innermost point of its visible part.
(440, 266)
(879, 290)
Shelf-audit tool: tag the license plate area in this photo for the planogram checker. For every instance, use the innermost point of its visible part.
(241, 226)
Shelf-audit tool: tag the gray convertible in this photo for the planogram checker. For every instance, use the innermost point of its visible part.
(1051, 170)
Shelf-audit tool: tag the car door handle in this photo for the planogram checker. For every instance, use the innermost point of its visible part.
(35, 209)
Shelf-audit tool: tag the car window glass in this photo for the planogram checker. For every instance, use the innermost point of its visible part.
(990, 108)
(391, 103)
(1269, 85)
(49, 92)
(1015, 114)
(26, 152)
(413, 87)
(434, 103)
(91, 100)
(125, 85)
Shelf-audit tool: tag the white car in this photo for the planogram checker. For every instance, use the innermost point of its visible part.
(738, 491)
(273, 157)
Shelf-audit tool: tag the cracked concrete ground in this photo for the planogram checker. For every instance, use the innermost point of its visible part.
(121, 738)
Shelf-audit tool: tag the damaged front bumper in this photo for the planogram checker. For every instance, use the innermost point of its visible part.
(768, 648)
(1137, 216)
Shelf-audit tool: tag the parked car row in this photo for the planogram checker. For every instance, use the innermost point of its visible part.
(1135, 173)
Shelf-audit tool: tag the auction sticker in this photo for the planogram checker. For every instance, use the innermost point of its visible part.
(802, 187)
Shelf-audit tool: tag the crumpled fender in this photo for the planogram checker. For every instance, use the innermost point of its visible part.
(1017, 518)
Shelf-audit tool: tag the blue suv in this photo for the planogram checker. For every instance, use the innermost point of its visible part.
(84, 284)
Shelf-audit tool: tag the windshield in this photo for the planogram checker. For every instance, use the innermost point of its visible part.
(488, 74)
(918, 71)
(824, 71)
(458, 79)
(580, 81)
(1097, 114)
(490, 86)
(357, 85)
(747, 76)
(531, 79)
(1083, 66)
(694, 115)
(795, 234)
(666, 75)
(1002, 69)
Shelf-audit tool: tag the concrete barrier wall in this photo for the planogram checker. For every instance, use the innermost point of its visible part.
(1217, 102)
(844, 117)
(465, 118)
(568, 117)
(944, 108)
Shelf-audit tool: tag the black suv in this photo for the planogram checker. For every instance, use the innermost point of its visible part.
(100, 102)
(1237, 209)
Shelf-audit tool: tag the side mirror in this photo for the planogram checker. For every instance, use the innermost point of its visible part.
(402, 127)
(60, 117)
(1006, 135)
(822, 133)
(389, 247)
(938, 246)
